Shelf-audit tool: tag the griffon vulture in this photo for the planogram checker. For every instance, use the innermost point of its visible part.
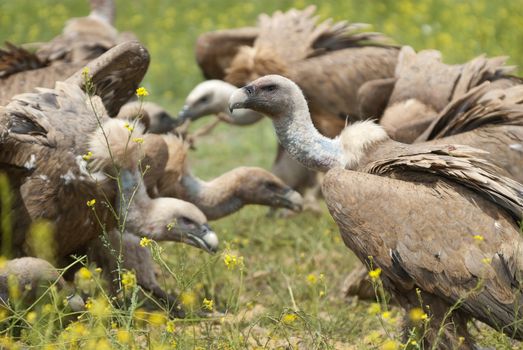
(437, 219)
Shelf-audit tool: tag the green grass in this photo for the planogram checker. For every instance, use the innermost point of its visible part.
(279, 254)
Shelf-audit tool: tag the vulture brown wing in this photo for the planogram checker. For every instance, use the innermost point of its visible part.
(116, 74)
(27, 80)
(461, 165)
(421, 234)
(424, 77)
(477, 108)
(287, 38)
(216, 50)
(14, 59)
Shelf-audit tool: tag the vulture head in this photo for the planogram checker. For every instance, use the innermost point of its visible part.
(155, 118)
(272, 95)
(171, 219)
(259, 186)
(212, 97)
(208, 97)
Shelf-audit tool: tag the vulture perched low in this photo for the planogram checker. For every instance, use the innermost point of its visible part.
(45, 140)
(438, 220)
(225, 194)
(338, 57)
(33, 277)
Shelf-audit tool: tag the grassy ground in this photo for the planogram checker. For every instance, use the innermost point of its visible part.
(287, 293)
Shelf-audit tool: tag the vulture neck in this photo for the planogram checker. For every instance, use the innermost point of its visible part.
(216, 198)
(302, 140)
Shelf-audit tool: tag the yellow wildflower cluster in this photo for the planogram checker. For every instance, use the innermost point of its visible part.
(188, 299)
(91, 203)
(289, 319)
(375, 274)
(128, 280)
(390, 344)
(87, 156)
(417, 315)
(232, 261)
(374, 309)
(142, 92)
(138, 140)
(129, 127)
(312, 279)
(208, 304)
(145, 242)
(479, 238)
(170, 327)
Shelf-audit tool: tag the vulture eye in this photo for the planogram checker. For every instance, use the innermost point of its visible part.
(272, 186)
(203, 99)
(271, 87)
(186, 221)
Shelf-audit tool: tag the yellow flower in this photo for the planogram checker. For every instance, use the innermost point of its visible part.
(390, 344)
(375, 274)
(170, 327)
(98, 270)
(486, 261)
(12, 287)
(31, 317)
(288, 319)
(312, 279)
(123, 336)
(386, 315)
(417, 315)
(128, 280)
(479, 238)
(157, 318)
(98, 307)
(129, 127)
(84, 273)
(232, 261)
(46, 309)
(322, 294)
(374, 309)
(87, 156)
(208, 304)
(142, 92)
(188, 298)
(138, 140)
(91, 203)
(145, 242)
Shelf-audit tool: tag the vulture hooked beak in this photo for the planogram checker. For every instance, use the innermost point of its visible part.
(202, 237)
(184, 114)
(291, 200)
(240, 97)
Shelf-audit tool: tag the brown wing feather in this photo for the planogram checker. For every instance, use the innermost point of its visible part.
(421, 235)
(286, 38)
(216, 50)
(424, 77)
(14, 59)
(477, 108)
(461, 165)
(116, 74)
